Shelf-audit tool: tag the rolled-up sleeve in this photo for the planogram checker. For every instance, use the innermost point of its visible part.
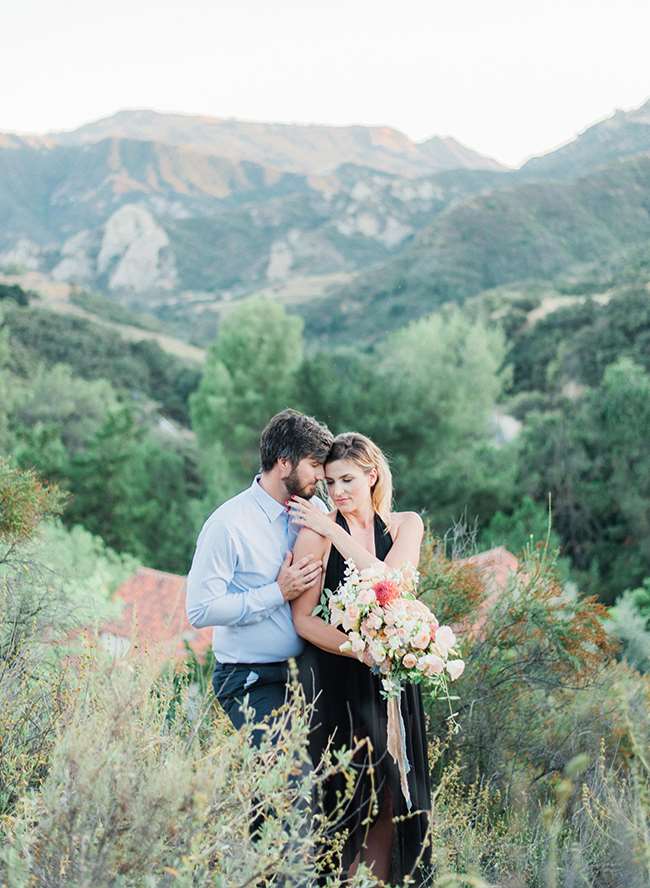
(209, 602)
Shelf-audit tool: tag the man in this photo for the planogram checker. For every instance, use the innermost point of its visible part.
(243, 579)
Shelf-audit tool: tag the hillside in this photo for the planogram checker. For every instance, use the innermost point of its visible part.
(48, 329)
(529, 232)
(166, 226)
(180, 216)
(62, 299)
(624, 134)
(306, 149)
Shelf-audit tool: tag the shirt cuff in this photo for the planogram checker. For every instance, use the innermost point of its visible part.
(271, 596)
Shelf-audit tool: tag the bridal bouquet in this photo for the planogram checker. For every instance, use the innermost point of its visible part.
(395, 633)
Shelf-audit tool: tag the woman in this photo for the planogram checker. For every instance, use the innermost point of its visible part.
(349, 704)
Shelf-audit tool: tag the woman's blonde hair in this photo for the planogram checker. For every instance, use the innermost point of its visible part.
(361, 450)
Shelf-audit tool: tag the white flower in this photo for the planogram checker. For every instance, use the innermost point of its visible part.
(366, 596)
(357, 644)
(377, 651)
(455, 668)
(351, 617)
(445, 639)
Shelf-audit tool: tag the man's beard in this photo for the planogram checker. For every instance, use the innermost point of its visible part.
(295, 488)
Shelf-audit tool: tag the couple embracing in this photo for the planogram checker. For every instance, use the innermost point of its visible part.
(261, 562)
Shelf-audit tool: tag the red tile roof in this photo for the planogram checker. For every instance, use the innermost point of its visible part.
(154, 615)
(494, 568)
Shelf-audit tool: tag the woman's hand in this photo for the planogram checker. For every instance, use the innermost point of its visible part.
(305, 514)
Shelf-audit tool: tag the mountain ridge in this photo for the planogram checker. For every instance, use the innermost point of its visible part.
(621, 135)
(530, 231)
(300, 148)
(157, 219)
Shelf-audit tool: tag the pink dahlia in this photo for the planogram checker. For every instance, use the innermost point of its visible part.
(386, 591)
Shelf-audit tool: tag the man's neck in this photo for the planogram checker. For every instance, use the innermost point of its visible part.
(274, 487)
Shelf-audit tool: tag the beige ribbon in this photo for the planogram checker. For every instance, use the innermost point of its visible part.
(397, 745)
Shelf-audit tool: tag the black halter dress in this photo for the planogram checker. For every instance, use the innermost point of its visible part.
(349, 706)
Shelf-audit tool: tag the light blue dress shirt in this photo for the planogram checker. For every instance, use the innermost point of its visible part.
(232, 582)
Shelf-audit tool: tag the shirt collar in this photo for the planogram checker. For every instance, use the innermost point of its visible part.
(270, 506)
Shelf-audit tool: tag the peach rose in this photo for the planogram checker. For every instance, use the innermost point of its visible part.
(409, 661)
(374, 621)
(431, 665)
(421, 638)
(366, 596)
(418, 609)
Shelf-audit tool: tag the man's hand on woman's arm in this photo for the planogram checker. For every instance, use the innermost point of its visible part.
(294, 579)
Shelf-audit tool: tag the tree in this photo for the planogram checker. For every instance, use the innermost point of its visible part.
(592, 456)
(249, 375)
(342, 388)
(103, 482)
(56, 398)
(630, 623)
(440, 379)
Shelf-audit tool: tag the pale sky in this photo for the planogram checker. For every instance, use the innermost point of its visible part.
(509, 78)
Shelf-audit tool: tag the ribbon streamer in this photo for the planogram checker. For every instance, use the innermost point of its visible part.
(397, 745)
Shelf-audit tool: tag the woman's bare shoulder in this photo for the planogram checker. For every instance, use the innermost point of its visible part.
(409, 522)
(309, 538)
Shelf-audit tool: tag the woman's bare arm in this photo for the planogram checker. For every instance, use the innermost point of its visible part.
(407, 535)
(314, 629)
(407, 532)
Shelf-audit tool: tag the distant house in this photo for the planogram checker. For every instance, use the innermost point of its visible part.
(153, 613)
(494, 567)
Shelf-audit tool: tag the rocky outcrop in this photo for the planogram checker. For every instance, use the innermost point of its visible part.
(135, 252)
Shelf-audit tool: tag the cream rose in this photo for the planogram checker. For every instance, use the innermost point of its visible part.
(445, 639)
(455, 668)
(351, 617)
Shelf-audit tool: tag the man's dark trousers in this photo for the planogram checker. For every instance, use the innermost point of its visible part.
(265, 684)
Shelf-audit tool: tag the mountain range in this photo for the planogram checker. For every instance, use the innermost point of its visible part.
(181, 215)
(306, 149)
